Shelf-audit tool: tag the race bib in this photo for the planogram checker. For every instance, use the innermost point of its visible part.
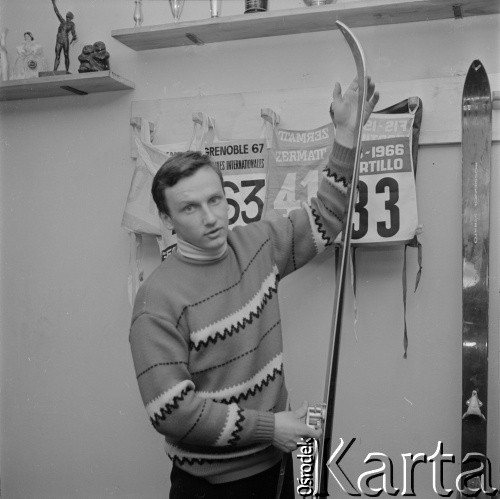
(244, 166)
(297, 158)
(386, 207)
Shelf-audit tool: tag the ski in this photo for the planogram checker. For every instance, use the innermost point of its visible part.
(325, 412)
(476, 163)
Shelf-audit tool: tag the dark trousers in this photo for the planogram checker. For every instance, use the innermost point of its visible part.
(260, 486)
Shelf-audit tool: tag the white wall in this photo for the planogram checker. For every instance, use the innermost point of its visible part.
(72, 425)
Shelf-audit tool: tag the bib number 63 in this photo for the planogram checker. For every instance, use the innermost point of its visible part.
(245, 196)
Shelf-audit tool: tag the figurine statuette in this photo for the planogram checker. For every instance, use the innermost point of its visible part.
(66, 27)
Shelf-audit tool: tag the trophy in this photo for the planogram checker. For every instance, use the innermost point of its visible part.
(317, 2)
(255, 6)
(215, 6)
(138, 17)
(176, 7)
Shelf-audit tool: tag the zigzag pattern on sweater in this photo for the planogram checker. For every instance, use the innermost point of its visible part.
(243, 272)
(250, 385)
(181, 461)
(251, 392)
(189, 460)
(168, 408)
(240, 324)
(341, 179)
(337, 186)
(238, 428)
(320, 228)
(223, 455)
(234, 359)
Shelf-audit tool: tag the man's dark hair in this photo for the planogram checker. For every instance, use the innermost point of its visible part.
(177, 167)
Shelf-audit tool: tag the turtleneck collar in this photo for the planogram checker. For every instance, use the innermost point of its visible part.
(189, 250)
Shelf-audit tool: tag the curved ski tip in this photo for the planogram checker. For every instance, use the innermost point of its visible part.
(343, 27)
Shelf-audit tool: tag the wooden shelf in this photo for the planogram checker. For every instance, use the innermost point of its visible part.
(355, 13)
(68, 84)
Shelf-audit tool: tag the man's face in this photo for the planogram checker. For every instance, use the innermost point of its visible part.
(198, 210)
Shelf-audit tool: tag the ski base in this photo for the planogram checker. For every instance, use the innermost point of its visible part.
(476, 161)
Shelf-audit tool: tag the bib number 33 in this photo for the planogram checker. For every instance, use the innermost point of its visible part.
(385, 196)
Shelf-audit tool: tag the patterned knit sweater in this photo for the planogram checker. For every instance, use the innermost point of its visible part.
(206, 337)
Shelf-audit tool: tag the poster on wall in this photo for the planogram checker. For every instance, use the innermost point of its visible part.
(244, 165)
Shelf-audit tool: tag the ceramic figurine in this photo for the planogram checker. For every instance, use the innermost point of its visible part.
(30, 59)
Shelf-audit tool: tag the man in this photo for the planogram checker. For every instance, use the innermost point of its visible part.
(206, 331)
(62, 41)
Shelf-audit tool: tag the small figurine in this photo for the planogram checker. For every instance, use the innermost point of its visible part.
(4, 62)
(100, 57)
(94, 58)
(63, 43)
(84, 58)
(30, 59)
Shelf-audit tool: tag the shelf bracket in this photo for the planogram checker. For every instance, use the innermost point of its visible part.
(73, 90)
(195, 39)
(457, 11)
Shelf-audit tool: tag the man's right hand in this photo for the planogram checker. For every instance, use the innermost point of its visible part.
(344, 107)
(289, 429)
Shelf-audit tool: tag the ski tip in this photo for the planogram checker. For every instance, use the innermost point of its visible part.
(476, 81)
(356, 49)
(476, 65)
(340, 24)
(477, 68)
(344, 29)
